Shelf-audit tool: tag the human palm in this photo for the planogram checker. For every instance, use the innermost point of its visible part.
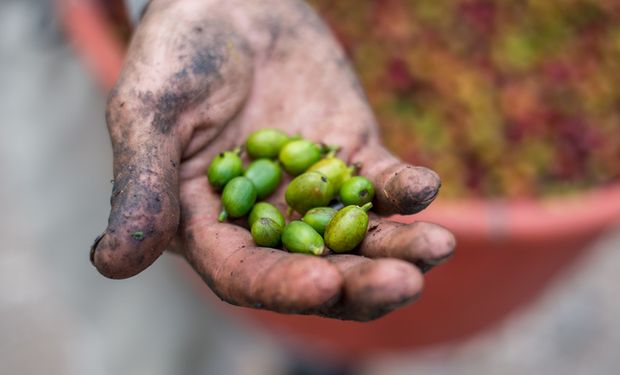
(199, 77)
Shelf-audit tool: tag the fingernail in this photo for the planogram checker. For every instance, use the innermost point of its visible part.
(93, 247)
(423, 266)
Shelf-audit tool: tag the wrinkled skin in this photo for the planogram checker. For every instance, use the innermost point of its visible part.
(198, 78)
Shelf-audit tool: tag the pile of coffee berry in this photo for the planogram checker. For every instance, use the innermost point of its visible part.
(332, 201)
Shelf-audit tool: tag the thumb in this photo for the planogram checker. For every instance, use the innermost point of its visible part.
(195, 76)
(145, 204)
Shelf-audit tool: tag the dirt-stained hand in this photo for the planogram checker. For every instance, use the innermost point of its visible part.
(200, 76)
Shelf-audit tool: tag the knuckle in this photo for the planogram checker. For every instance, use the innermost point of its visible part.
(117, 106)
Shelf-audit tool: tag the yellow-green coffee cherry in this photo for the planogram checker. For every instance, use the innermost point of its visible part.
(266, 232)
(265, 174)
(224, 167)
(347, 228)
(238, 198)
(265, 210)
(299, 237)
(357, 191)
(297, 156)
(318, 218)
(309, 190)
(266, 143)
(333, 168)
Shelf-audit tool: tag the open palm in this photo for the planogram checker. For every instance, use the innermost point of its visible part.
(198, 78)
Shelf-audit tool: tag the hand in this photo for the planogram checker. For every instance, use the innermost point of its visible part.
(198, 78)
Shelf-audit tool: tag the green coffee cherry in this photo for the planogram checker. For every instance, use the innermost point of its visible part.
(347, 228)
(309, 190)
(299, 237)
(266, 143)
(265, 210)
(224, 167)
(265, 174)
(238, 198)
(266, 232)
(297, 156)
(318, 218)
(357, 191)
(333, 168)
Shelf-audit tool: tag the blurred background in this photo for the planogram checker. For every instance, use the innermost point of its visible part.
(59, 316)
